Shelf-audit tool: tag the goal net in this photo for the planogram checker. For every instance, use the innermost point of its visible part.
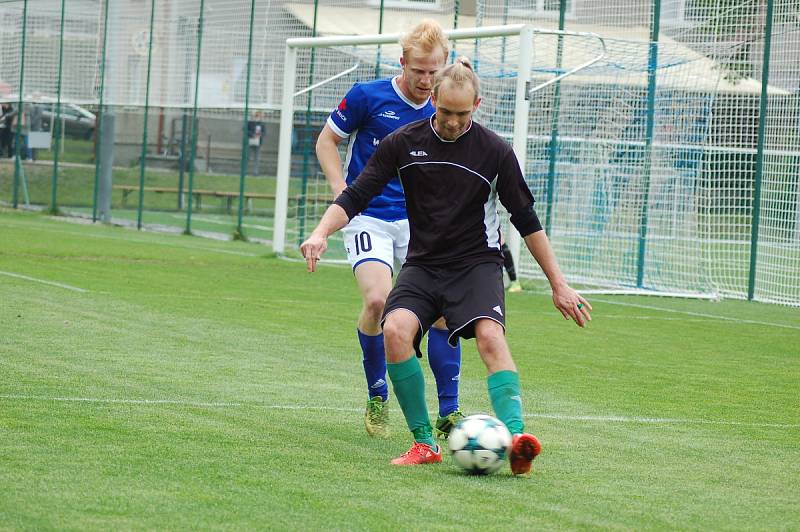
(616, 160)
(325, 68)
(621, 210)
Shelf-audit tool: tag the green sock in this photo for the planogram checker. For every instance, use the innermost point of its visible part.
(425, 435)
(409, 388)
(506, 399)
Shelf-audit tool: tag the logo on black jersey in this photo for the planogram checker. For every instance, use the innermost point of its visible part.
(418, 153)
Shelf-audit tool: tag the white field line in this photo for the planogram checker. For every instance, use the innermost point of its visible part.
(42, 281)
(653, 318)
(224, 404)
(700, 314)
(227, 223)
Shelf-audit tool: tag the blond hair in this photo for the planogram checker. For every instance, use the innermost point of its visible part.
(460, 73)
(427, 36)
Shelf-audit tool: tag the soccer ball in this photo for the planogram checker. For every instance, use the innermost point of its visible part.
(479, 444)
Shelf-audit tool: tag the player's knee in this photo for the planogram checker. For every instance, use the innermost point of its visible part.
(490, 339)
(396, 333)
(373, 306)
(490, 343)
(398, 339)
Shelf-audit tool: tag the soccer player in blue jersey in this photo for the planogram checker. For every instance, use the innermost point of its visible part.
(376, 240)
(454, 172)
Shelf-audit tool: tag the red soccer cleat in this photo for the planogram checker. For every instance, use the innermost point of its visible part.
(524, 448)
(419, 454)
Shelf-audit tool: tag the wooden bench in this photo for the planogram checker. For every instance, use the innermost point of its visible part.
(227, 196)
(128, 189)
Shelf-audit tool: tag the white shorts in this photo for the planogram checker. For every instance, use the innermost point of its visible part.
(367, 238)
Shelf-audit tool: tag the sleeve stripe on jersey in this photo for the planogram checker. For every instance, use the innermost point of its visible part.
(336, 129)
(451, 164)
(349, 156)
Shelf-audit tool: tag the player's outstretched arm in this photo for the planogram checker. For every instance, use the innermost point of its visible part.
(329, 160)
(569, 302)
(312, 249)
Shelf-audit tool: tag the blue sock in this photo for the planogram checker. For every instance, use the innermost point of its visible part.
(374, 364)
(445, 363)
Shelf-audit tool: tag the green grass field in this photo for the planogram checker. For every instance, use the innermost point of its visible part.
(154, 381)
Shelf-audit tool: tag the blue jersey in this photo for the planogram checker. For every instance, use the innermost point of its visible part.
(368, 113)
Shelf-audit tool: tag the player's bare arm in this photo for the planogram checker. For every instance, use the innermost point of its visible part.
(312, 249)
(329, 160)
(570, 303)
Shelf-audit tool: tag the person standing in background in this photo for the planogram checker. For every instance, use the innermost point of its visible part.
(256, 133)
(7, 122)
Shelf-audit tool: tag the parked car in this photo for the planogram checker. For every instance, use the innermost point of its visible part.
(78, 122)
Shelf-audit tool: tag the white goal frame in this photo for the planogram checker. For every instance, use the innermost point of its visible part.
(523, 90)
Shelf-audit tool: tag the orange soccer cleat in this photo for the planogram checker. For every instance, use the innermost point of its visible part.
(524, 448)
(419, 454)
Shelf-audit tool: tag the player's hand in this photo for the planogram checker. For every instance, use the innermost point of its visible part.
(572, 305)
(312, 250)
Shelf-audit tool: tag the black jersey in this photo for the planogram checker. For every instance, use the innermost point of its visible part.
(451, 190)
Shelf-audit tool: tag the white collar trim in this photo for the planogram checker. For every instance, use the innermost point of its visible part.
(403, 97)
(430, 120)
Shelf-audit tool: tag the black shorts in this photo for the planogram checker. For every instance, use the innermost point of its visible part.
(462, 294)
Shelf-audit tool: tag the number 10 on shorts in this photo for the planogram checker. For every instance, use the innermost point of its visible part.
(363, 242)
(369, 239)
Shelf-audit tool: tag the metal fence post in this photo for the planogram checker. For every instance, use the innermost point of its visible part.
(301, 204)
(99, 129)
(759, 175)
(652, 66)
(380, 30)
(17, 162)
(58, 125)
(193, 140)
(551, 168)
(239, 234)
(142, 163)
(456, 12)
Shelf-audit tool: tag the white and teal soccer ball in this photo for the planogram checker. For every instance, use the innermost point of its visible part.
(479, 444)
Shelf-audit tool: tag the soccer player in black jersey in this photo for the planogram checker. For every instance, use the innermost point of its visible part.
(453, 171)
